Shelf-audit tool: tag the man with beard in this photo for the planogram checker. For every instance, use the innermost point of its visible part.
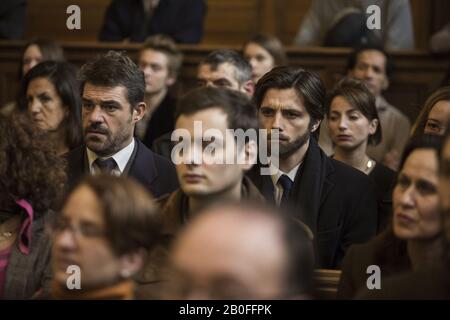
(113, 102)
(336, 201)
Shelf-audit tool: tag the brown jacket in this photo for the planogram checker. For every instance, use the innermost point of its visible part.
(174, 210)
(29, 274)
(360, 256)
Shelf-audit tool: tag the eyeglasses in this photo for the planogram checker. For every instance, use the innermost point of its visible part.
(86, 229)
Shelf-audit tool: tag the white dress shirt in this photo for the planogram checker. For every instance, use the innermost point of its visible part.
(122, 157)
(276, 174)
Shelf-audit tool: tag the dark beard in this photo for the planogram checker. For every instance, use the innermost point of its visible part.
(288, 150)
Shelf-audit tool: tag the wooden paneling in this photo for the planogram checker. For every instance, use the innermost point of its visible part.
(47, 18)
(228, 22)
(418, 73)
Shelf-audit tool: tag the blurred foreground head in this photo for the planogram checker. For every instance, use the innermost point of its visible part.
(242, 251)
(105, 228)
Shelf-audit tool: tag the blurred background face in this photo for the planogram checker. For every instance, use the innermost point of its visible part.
(31, 57)
(437, 121)
(210, 177)
(154, 64)
(349, 128)
(240, 261)
(283, 109)
(107, 119)
(371, 68)
(223, 77)
(44, 104)
(416, 199)
(260, 59)
(79, 239)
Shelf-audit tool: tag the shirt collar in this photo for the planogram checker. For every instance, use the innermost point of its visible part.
(277, 173)
(121, 157)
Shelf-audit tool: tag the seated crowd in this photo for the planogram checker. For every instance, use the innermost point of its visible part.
(114, 186)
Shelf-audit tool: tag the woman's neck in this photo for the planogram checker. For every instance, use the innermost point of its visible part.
(425, 253)
(357, 158)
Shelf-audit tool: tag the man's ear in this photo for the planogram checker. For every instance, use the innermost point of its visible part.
(315, 125)
(131, 263)
(139, 111)
(170, 81)
(249, 88)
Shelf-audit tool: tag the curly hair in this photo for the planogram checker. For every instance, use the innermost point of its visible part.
(29, 168)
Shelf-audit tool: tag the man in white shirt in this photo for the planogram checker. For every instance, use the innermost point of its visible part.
(113, 102)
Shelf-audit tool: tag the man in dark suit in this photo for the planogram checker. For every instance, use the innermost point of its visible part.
(135, 20)
(113, 94)
(336, 201)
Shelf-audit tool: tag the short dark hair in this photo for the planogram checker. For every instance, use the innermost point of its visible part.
(308, 87)
(115, 69)
(240, 110)
(243, 70)
(359, 97)
(272, 45)
(164, 44)
(131, 216)
(353, 58)
(63, 77)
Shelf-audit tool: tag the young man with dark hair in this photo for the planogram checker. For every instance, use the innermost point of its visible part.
(336, 201)
(211, 161)
(226, 69)
(374, 66)
(112, 91)
(160, 60)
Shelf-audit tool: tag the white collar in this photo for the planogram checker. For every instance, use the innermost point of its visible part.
(121, 157)
(277, 173)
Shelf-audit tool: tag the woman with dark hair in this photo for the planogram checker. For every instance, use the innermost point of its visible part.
(353, 124)
(32, 177)
(435, 115)
(50, 94)
(263, 53)
(414, 240)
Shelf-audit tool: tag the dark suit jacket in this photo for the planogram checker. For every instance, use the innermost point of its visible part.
(337, 202)
(180, 19)
(28, 274)
(154, 172)
(162, 121)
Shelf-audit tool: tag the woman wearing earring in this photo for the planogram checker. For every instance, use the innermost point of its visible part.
(354, 124)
